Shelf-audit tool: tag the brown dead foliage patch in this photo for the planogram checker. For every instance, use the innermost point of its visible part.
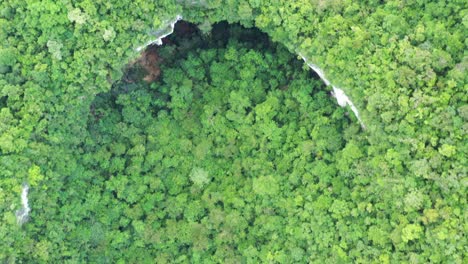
(149, 62)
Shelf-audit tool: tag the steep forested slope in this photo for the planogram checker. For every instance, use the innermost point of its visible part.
(237, 153)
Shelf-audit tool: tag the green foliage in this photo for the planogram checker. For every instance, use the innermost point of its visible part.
(7, 57)
(237, 154)
(199, 177)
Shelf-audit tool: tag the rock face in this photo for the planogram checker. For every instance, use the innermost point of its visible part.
(162, 33)
(341, 98)
(22, 215)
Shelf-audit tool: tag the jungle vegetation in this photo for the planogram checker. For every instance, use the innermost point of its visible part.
(222, 145)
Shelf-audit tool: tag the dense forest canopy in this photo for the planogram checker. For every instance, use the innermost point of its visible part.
(222, 145)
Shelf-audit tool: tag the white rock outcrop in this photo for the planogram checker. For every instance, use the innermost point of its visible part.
(341, 98)
(162, 33)
(22, 215)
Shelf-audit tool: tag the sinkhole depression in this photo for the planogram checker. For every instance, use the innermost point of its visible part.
(207, 102)
(208, 117)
